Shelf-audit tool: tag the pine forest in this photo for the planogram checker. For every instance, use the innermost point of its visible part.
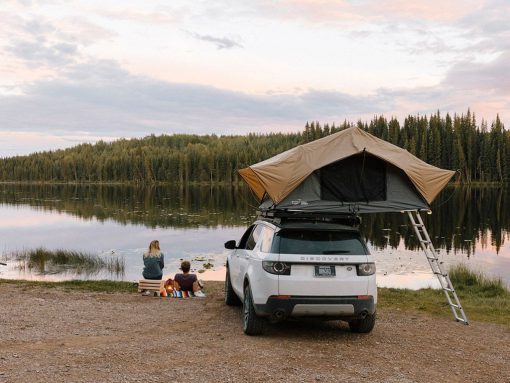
(481, 153)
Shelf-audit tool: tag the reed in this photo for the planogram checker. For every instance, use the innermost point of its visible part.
(56, 261)
(475, 282)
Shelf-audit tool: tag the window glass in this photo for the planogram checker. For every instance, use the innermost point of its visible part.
(254, 238)
(267, 239)
(244, 238)
(318, 242)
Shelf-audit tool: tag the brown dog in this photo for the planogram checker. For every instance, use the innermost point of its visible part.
(169, 286)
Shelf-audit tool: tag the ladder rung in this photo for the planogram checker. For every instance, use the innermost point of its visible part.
(461, 320)
(430, 253)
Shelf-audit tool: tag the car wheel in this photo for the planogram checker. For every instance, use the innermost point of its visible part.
(364, 325)
(231, 298)
(252, 324)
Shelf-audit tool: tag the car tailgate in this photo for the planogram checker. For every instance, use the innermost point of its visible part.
(305, 281)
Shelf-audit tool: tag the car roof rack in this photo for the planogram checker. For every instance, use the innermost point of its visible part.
(280, 216)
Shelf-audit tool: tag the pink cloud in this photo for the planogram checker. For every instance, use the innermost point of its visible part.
(347, 12)
(161, 16)
(433, 10)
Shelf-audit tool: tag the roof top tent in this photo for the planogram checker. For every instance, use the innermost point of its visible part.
(349, 173)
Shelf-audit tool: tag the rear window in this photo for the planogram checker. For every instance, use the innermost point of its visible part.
(318, 242)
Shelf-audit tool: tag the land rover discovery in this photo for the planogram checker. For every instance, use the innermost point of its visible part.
(286, 268)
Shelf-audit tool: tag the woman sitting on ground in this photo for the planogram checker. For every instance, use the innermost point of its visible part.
(153, 261)
(187, 281)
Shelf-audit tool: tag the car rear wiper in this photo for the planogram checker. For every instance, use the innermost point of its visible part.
(326, 252)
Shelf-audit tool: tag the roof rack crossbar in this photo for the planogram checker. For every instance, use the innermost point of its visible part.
(350, 218)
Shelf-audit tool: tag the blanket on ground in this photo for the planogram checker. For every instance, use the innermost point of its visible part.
(182, 294)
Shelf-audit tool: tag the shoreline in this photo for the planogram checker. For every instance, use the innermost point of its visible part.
(472, 184)
(478, 307)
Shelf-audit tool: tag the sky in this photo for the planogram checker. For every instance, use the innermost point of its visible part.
(82, 71)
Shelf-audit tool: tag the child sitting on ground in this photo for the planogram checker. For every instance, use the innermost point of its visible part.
(186, 281)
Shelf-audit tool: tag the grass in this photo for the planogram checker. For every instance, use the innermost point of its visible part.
(55, 261)
(96, 286)
(472, 282)
(483, 299)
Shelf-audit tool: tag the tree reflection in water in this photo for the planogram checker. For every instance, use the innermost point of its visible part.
(461, 218)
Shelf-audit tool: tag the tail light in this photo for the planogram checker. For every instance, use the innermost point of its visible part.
(278, 268)
(364, 269)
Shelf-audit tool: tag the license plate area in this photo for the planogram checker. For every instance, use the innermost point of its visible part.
(324, 271)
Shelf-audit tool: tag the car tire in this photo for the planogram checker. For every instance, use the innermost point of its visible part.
(252, 324)
(364, 325)
(231, 298)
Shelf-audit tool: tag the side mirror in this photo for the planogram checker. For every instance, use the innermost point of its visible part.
(231, 245)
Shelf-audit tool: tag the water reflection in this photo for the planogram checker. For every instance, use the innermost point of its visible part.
(461, 220)
(467, 224)
(155, 206)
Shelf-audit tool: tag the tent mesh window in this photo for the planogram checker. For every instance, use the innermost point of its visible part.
(358, 178)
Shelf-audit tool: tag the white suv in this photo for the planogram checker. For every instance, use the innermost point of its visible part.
(285, 268)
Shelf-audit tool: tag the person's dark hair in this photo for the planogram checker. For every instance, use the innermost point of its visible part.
(185, 266)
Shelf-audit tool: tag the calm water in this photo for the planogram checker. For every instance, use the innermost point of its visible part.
(467, 225)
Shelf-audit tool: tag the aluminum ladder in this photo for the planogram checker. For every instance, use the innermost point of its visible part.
(437, 266)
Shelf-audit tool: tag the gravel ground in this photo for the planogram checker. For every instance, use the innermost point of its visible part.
(52, 335)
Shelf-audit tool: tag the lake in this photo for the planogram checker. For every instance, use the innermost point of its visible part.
(468, 225)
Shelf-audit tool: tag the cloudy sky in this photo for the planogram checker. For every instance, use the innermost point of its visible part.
(76, 71)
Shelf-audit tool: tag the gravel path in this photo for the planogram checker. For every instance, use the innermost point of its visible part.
(52, 335)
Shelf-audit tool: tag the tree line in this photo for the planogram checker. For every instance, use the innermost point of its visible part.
(480, 152)
(177, 159)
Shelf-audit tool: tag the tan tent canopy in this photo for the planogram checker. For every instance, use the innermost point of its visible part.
(321, 165)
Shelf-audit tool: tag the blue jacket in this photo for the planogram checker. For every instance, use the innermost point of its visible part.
(153, 266)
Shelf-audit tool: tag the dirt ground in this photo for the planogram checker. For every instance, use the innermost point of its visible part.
(52, 335)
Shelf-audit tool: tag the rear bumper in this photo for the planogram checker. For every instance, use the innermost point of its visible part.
(282, 307)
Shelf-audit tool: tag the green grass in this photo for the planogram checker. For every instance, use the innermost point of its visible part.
(97, 286)
(483, 299)
(472, 282)
(55, 261)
